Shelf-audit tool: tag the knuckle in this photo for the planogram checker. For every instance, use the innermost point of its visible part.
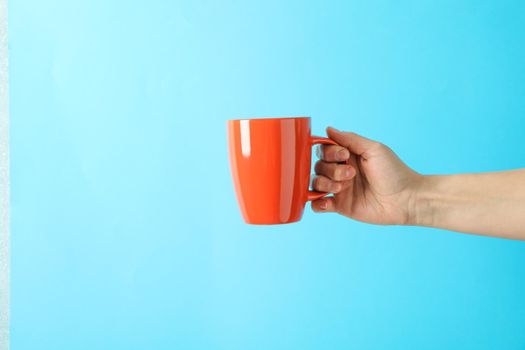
(335, 187)
(339, 173)
(381, 147)
(327, 153)
(321, 184)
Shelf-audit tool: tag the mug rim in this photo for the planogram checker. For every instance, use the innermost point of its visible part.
(269, 118)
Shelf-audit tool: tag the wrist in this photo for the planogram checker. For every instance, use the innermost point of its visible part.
(422, 207)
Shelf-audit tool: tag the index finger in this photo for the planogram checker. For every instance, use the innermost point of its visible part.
(332, 153)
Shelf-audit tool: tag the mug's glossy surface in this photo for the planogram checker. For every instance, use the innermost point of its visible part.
(270, 163)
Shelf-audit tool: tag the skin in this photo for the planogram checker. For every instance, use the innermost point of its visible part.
(371, 184)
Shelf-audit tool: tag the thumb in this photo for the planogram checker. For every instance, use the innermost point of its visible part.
(357, 144)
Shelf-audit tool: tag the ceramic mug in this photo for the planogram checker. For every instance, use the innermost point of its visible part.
(270, 163)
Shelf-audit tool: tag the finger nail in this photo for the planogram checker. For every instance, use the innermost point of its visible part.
(342, 154)
(349, 173)
(336, 188)
(334, 129)
(323, 205)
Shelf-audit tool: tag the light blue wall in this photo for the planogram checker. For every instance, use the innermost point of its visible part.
(125, 230)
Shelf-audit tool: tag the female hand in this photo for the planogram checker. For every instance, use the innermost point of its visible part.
(369, 182)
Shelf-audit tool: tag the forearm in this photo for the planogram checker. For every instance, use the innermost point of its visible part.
(490, 204)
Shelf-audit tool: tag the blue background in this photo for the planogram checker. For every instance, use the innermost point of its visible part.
(125, 229)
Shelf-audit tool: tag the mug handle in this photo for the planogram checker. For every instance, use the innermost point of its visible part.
(318, 140)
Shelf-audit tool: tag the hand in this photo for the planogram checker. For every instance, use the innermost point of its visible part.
(369, 182)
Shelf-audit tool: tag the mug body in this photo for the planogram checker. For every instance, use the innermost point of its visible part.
(270, 164)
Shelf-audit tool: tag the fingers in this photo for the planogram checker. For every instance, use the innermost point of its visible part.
(334, 171)
(357, 144)
(330, 153)
(324, 184)
(324, 205)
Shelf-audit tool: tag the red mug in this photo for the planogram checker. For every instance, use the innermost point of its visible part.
(270, 163)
